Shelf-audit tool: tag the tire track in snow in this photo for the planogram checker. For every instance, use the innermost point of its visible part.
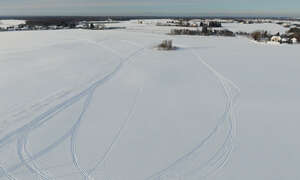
(20, 112)
(29, 126)
(228, 115)
(38, 170)
(223, 82)
(220, 158)
(118, 135)
(22, 150)
(7, 175)
(87, 173)
(225, 150)
(227, 147)
(60, 175)
(74, 135)
(65, 136)
(46, 116)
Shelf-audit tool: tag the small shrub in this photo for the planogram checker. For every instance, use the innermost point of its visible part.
(214, 24)
(295, 33)
(260, 35)
(226, 32)
(294, 30)
(166, 45)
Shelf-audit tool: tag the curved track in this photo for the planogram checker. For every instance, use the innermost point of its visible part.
(182, 168)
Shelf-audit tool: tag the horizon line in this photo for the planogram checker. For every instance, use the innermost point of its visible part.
(158, 16)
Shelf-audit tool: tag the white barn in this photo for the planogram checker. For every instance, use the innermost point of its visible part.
(276, 39)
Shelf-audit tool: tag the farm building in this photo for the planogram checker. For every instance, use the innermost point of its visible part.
(276, 39)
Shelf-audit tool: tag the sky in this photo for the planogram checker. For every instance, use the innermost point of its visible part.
(151, 7)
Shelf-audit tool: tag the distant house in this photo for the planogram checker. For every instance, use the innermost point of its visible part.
(276, 39)
(284, 40)
(97, 26)
(53, 27)
(81, 26)
(194, 25)
(294, 40)
(25, 28)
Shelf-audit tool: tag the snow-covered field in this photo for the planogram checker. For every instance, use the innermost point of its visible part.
(79, 104)
(273, 28)
(7, 23)
(150, 27)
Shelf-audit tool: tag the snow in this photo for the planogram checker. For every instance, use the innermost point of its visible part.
(249, 28)
(107, 105)
(8, 23)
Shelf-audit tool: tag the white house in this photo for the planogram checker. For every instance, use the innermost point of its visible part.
(294, 40)
(276, 39)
